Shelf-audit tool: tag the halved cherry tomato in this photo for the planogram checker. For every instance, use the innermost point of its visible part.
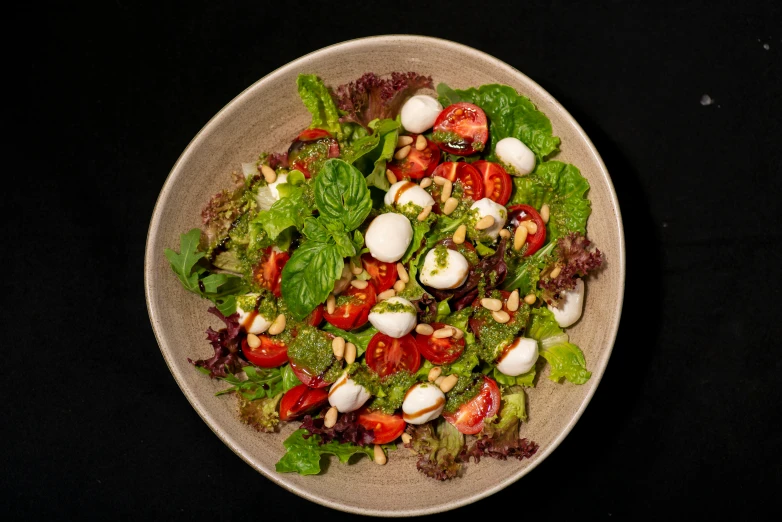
(301, 400)
(387, 428)
(310, 149)
(496, 182)
(383, 274)
(418, 163)
(270, 354)
(461, 129)
(306, 376)
(316, 316)
(354, 313)
(476, 323)
(439, 351)
(268, 271)
(386, 355)
(465, 173)
(468, 418)
(519, 213)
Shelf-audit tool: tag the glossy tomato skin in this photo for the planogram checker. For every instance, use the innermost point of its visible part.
(497, 184)
(270, 354)
(310, 148)
(267, 273)
(316, 316)
(466, 174)
(387, 428)
(461, 129)
(519, 213)
(386, 355)
(418, 163)
(355, 313)
(469, 417)
(383, 275)
(439, 351)
(307, 377)
(300, 400)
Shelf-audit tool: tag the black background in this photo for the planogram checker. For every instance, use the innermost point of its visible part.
(687, 418)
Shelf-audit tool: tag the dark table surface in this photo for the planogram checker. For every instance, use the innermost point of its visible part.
(683, 103)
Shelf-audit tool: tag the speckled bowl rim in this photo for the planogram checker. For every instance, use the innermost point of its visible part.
(271, 474)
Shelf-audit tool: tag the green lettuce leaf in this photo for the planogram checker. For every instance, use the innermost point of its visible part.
(317, 99)
(371, 153)
(289, 211)
(565, 358)
(289, 379)
(303, 455)
(525, 276)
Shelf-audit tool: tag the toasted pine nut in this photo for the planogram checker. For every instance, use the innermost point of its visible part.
(424, 329)
(268, 174)
(425, 213)
(350, 353)
(434, 373)
(358, 283)
(447, 189)
(390, 176)
(520, 237)
(380, 455)
(253, 341)
(420, 142)
(491, 304)
(355, 270)
(404, 140)
(440, 379)
(450, 206)
(387, 294)
(426, 182)
(448, 383)
(554, 273)
(443, 332)
(406, 438)
(460, 234)
(331, 303)
(484, 222)
(338, 347)
(545, 212)
(532, 228)
(330, 419)
(530, 299)
(399, 286)
(403, 275)
(457, 333)
(402, 153)
(439, 180)
(513, 301)
(501, 316)
(505, 233)
(277, 326)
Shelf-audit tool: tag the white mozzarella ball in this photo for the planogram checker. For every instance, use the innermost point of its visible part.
(513, 152)
(346, 395)
(281, 178)
(252, 321)
(388, 237)
(569, 306)
(404, 192)
(487, 207)
(387, 320)
(423, 402)
(419, 113)
(519, 357)
(452, 274)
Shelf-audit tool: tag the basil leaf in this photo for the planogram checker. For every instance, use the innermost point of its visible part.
(309, 276)
(341, 193)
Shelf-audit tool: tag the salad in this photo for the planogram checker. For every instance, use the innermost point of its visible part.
(402, 272)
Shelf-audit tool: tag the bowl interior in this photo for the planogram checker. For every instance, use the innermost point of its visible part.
(266, 117)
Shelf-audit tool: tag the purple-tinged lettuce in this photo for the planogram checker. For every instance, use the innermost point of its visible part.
(438, 445)
(228, 356)
(347, 429)
(500, 436)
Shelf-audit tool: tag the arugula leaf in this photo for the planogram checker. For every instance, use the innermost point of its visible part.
(360, 337)
(420, 230)
(525, 276)
(341, 193)
(317, 99)
(260, 383)
(303, 454)
(308, 277)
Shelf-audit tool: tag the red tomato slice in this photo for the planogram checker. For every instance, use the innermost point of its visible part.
(468, 419)
(355, 313)
(439, 351)
(387, 428)
(383, 274)
(310, 148)
(270, 354)
(519, 213)
(268, 272)
(497, 184)
(301, 400)
(461, 129)
(308, 378)
(316, 316)
(464, 173)
(386, 355)
(418, 163)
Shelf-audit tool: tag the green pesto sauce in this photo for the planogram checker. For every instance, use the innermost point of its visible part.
(384, 307)
(440, 258)
(343, 300)
(448, 137)
(312, 350)
(470, 255)
(494, 336)
(388, 392)
(247, 302)
(410, 210)
(466, 389)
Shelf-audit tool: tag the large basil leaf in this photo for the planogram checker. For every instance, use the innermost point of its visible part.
(341, 194)
(317, 99)
(309, 276)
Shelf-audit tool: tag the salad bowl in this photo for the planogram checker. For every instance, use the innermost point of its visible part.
(266, 117)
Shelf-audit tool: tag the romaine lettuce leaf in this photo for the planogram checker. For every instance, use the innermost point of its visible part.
(317, 99)
(565, 358)
(303, 455)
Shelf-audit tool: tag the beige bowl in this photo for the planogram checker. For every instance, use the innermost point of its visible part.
(266, 117)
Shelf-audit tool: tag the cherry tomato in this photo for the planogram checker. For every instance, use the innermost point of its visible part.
(308, 378)
(268, 271)
(497, 184)
(439, 351)
(270, 354)
(464, 173)
(383, 274)
(468, 418)
(519, 213)
(310, 149)
(386, 355)
(387, 428)
(461, 129)
(418, 163)
(301, 400)
(316, 316)
(476, 323)
(355, 313)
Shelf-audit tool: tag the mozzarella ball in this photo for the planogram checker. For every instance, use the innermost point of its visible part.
(570, 305)
(423, 402)
(388, 237)
(444, 268)
(252, 321)
(281, 178)
(514, 153)
(404, 192)
(519, 357)
(487, 207)
(419, 113)
(346, 395)
(395, 317)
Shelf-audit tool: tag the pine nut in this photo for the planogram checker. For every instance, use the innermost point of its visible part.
(448, 383)
(253, 341)
(330, 419)
(425, 213)
(505, 233)
(447, 189)
(402, 153)
(532, 228)
(404, 140)
(491, 304)
(268, 174)
(406, 438)
(554, 273)
(403, 275)
(390, 176)
(520, 237)
(350, 353)
(399, 286)
(457, 333)
(439, 180)
(355, 269)
(277, 326)
(387, 294)
(440, 379)
(460, 234)
(331, 303)
(426, 182)
(442, 333)
(484, 222)
(424, 329)
(338, 347)
(545, 212)
(380, 455)
(450, 206)
(358, 283)
(530, 299)
(434, 373)
(501, 316)
(420, 142)
(513, 301)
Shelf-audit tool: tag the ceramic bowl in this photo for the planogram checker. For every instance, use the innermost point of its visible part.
(266, 117)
